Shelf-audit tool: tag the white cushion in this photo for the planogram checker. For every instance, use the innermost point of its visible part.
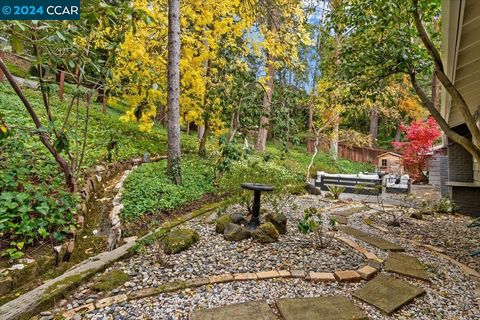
(368, 176)
(404, 179)
(396, 186)
(348, 175)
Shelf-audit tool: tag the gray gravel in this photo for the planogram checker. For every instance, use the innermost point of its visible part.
(446, 231)
(450, 296)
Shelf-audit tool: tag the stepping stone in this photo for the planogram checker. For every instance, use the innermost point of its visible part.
(388, 293)
(347, 276)
(321, 308)
(348, 212)
(405, 265)
(243, 311)
(367, 272)
(373, 240)
(340, 219)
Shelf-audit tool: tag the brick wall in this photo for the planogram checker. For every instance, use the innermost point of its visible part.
(468, 200)
(460, 164)
(461, 169)
(438, 174)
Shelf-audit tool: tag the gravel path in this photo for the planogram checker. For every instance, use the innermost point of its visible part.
(451, 295)
(449, 232)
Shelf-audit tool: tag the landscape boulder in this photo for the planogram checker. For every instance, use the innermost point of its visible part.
(179, 240)
(266, 233)
(110, 280)
(235, 232)
(279, 220)
(222, 222)
(416, 215)
(238, 219)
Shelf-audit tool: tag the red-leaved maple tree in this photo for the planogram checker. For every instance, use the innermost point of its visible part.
(420, 136)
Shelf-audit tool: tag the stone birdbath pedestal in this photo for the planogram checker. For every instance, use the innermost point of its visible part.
(257, 190)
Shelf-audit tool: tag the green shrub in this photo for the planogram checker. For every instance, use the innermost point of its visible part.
(445, 205)
(336, 191)
(149, 190)
(33, 204)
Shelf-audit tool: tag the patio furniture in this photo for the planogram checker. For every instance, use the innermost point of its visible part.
(368, 184)
(257, 190)
(393, 184)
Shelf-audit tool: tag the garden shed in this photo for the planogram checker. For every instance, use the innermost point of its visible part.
(390, 162)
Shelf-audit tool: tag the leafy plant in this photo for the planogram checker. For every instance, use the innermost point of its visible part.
(336, 191)
(445, 205)
(230, 153)
(149, 190)
(312, 222)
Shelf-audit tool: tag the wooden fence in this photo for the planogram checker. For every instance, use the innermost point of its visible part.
(357, 154)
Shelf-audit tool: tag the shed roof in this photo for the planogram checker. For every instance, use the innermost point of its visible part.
(390, 153)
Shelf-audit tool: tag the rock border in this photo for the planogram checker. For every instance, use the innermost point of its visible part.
(41, 297)
(337, 276)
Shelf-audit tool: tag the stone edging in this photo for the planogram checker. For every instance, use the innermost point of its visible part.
(363, 273)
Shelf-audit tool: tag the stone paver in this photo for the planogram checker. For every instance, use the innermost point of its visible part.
(367, 272)
(321, 308)
(340, 219)
(347, 276)
(322, 276)
(284, 273)
(197, 282)
(298, 273)
(387, 293)
(268, 274)
(348, 212)
(374, 241)
(245, 276)
(405, 265)
(258, 310)
(110, 300)
(369, 255)
(227, 277)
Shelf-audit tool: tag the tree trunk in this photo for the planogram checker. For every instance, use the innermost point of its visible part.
(373, 126)
(200, 132)
(69, 178)
(455, 137)
(310, 117)
(435, 91)
(456, 96)
(174, 169)
(234, 124)
(334, 139)
(202, 148)
(398, 133)
(161, 116)
(267, 103)
(336, 124)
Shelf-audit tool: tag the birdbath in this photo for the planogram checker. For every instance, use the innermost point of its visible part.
(257, 190)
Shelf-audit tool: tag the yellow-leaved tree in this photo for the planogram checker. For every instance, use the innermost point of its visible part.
(208, 29)
(282, 28)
